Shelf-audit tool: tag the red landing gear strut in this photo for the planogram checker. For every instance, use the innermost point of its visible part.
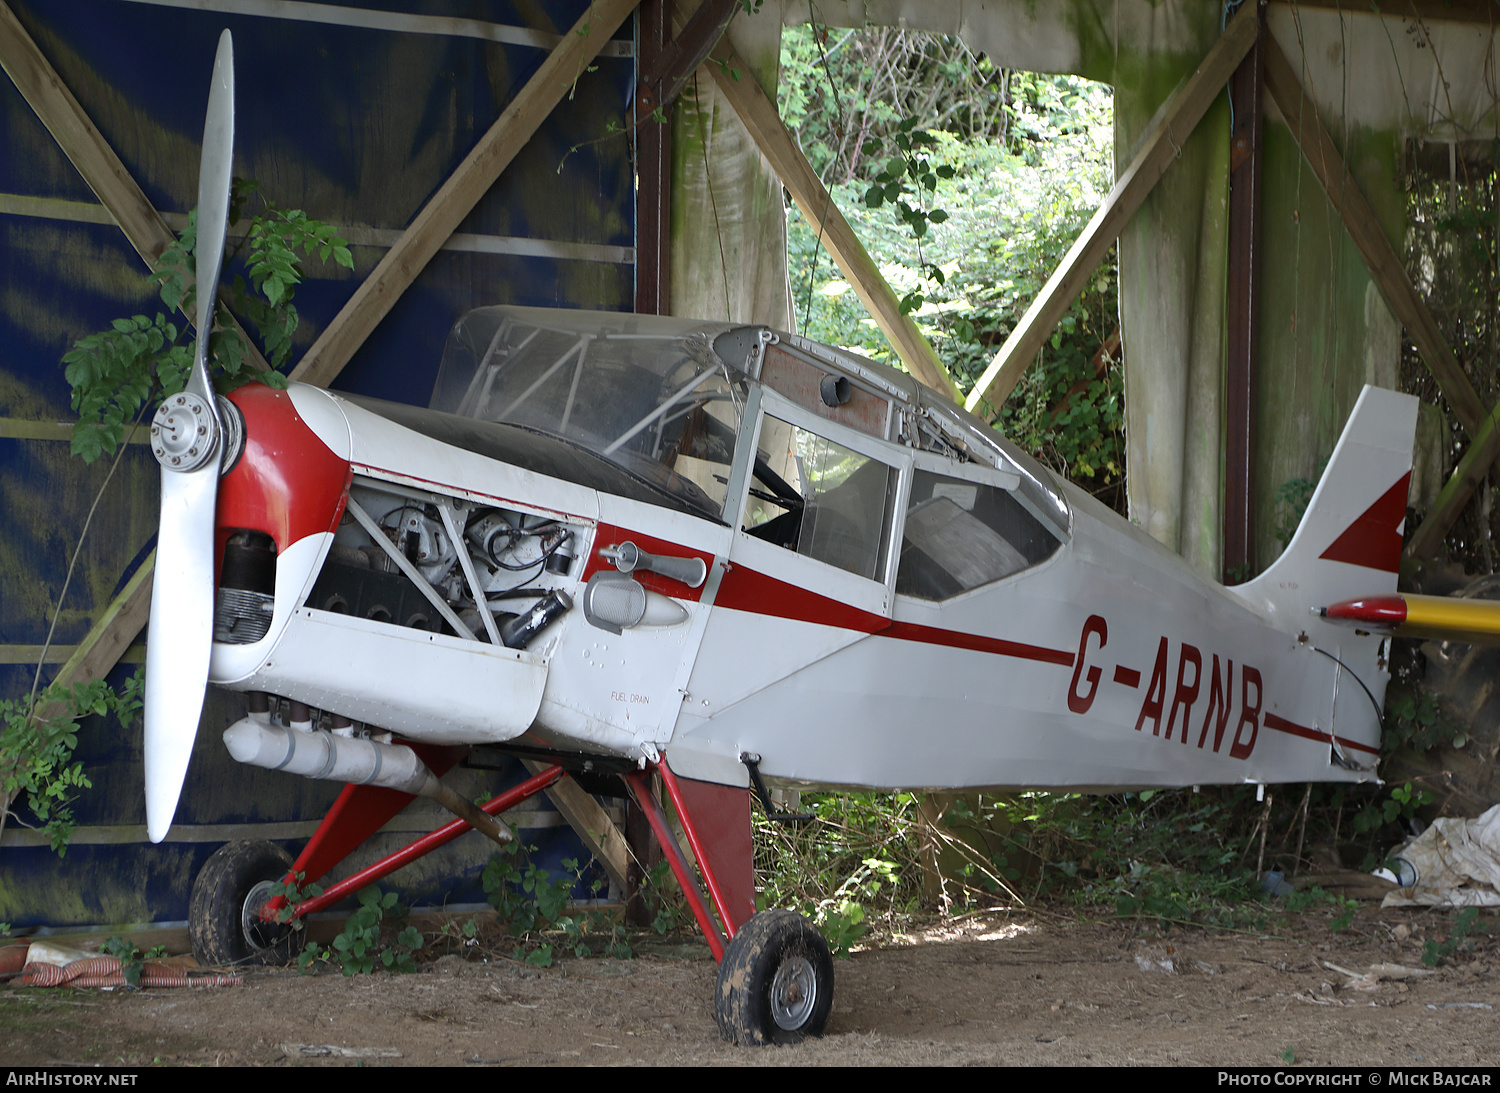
(775, 980)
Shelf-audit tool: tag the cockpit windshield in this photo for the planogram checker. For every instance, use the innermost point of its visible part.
(661, 398)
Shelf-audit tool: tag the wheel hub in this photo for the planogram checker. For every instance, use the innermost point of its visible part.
(794, 993)
(259, 934)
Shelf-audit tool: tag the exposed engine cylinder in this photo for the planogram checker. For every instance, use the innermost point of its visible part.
(246, 602)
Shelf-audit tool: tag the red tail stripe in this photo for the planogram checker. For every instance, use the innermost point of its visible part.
(1374, 540)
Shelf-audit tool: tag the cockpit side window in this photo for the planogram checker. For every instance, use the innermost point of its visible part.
(961, 534)
(825, 501)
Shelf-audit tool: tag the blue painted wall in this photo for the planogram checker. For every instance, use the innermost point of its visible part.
(357, 126)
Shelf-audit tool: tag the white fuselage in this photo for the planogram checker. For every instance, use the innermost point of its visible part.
(1107, 664)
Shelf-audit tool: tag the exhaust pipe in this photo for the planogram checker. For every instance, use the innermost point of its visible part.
(333, 758)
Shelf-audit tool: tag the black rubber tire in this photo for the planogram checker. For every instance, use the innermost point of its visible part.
(222, 924)
(775, 983)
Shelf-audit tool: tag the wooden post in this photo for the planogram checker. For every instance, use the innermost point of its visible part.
(441, 215)
(653, 201)
(592, 823)
(1246, 89)
(1174, 123)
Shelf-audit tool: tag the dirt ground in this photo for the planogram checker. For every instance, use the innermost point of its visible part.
(1029, 988)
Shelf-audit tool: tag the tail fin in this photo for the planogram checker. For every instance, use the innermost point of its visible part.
(1349, 541)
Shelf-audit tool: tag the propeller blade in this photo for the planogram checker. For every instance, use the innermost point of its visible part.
(187, 438)
(181, 635)
(214, 176)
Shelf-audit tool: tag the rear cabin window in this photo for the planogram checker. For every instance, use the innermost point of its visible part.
(960, 535)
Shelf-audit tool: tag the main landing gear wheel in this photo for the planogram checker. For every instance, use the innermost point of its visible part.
(775, 983)
(224, 923)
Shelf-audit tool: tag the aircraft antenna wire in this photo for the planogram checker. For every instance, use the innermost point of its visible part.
(1379, 713)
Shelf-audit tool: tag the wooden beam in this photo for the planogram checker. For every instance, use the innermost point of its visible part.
(88, 151)
(593, 825)
(1174, 123)
(1386, 268)
(441, 215)
(81, 140)
(666, 73)
(1456, 492)
(109, 637)
(60, 654)
(760, 117)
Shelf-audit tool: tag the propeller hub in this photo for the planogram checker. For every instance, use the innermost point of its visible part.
(184, 433)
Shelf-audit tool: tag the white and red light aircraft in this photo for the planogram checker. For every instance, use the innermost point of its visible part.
(718, 552)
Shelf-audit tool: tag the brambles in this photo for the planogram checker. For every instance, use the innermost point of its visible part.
(359, 948)
(131, 961)
(531, 906)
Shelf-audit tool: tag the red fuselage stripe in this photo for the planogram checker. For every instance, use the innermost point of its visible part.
(745, 589)
(1291, 728)
(955, 639)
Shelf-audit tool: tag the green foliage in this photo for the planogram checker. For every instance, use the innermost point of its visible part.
(466, 935)
(1415, 718)
(1169, 855)
(1308, 898)
(860, 857)
(842, 917)
(835, 95)
(1452, 231)
(131, 961)
(1346, 914)
(117, 372)
(532, 906)
(659, 889)
(843, 925)
(294, 893)
(37, 738)
(908, 183)
(991, 176)
(1401, 804)
(1291, 501)
(1463, 923)
(359, 949)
